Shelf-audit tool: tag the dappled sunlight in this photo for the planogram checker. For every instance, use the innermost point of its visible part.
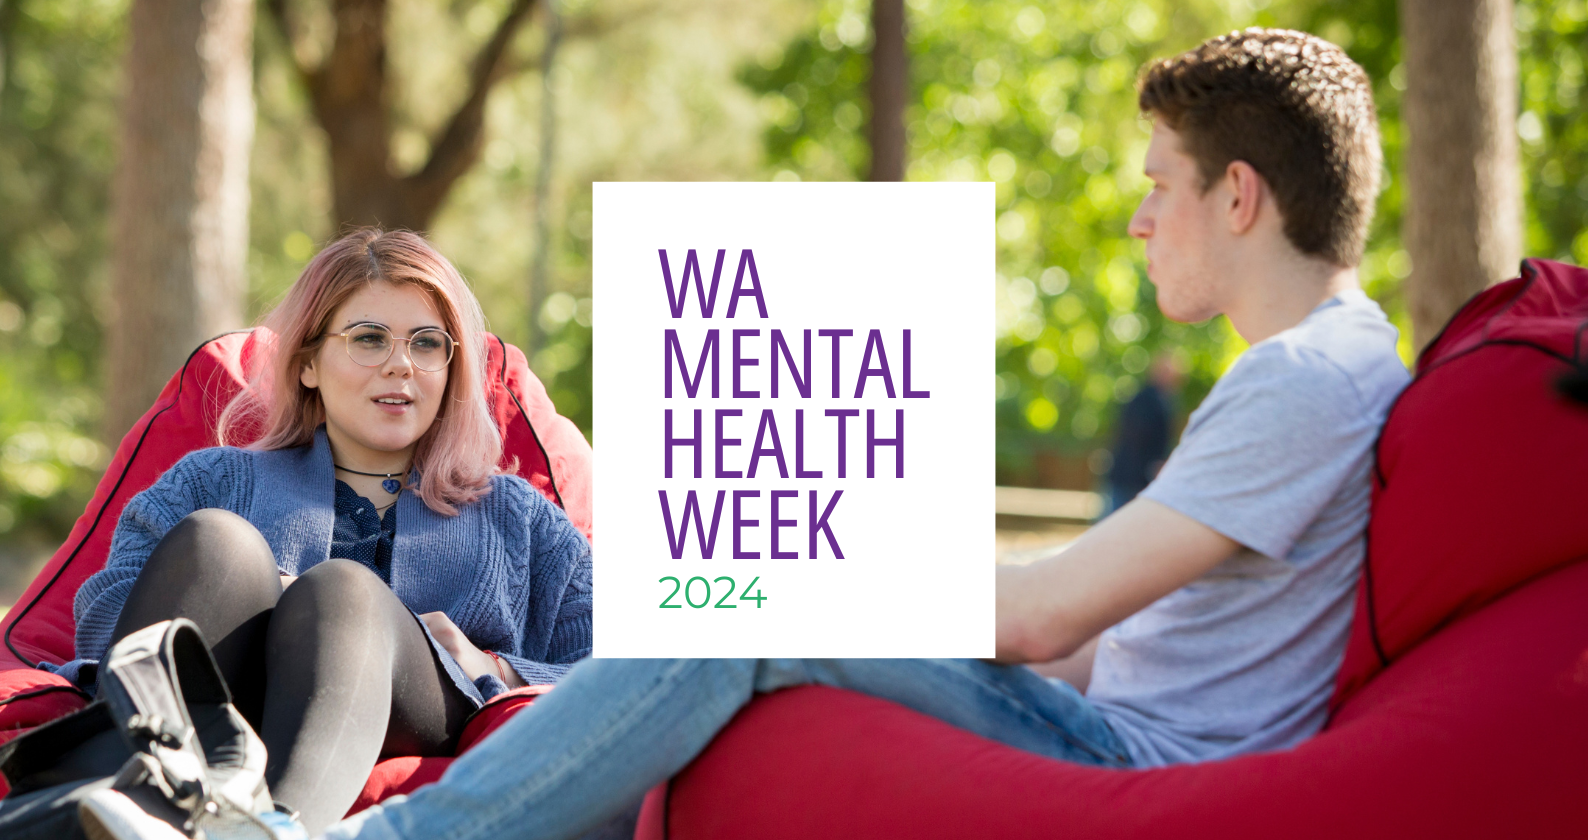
(1037, 98)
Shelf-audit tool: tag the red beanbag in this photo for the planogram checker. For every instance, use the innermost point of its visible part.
(1482, 468)
(408, 773)
(1462, 706)
(1478, 733)
(550, 451)
(39, 696)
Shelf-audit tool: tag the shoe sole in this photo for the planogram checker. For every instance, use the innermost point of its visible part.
(93, 827)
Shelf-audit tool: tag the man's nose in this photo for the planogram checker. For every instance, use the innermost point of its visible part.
(1140, 224)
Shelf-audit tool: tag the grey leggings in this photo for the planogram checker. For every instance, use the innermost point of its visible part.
(334, 672)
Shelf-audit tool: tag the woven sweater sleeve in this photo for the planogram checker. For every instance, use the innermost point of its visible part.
(560, 556)
(204, 478)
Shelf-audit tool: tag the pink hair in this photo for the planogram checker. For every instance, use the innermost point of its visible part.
(458, 454)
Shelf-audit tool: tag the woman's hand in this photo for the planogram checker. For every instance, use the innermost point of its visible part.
(475, 662)
(286, 581)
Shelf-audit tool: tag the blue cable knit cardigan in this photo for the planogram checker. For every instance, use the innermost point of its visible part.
(510, 570)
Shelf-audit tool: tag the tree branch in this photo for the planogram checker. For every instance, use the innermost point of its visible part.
(278, 11)
(459, 143)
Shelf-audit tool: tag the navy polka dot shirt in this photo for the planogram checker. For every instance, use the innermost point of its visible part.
(359, 535)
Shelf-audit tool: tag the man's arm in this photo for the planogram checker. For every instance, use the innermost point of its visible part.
(1075, 669)
(1140, 553)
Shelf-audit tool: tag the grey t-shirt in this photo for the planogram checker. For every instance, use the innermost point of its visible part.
(1278, 458)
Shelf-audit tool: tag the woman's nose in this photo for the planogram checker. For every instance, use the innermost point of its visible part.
(399, 360)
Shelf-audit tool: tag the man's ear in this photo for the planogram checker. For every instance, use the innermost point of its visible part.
(1248, 191)
(309, 376)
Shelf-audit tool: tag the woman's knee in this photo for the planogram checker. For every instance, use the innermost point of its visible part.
(212, 538)
(341, 575)
(337, 590)
(214, 520)
(214, 568)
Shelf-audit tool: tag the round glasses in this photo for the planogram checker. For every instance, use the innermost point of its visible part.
(371, 345)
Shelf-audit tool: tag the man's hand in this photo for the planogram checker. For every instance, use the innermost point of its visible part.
(1140, 553)
(475, 662)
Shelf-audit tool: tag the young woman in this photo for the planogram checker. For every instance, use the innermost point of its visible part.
(364, 574)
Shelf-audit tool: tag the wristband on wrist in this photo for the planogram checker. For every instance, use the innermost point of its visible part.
(501, 670)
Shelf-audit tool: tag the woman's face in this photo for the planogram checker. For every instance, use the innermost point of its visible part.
(375, 415)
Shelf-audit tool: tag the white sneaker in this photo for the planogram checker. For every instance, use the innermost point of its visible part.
(109, 815)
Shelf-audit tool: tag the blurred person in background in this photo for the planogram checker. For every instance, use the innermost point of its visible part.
(1141, 437)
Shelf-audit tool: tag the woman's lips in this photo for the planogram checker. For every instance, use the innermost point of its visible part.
(394, 409)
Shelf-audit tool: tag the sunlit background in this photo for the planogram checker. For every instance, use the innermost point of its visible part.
(1037, 97)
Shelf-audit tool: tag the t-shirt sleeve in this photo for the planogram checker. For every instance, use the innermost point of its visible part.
(1268, 449)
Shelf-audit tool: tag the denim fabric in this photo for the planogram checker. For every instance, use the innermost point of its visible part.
(614, 728)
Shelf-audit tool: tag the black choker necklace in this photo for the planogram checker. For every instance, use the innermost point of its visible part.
(390, 485)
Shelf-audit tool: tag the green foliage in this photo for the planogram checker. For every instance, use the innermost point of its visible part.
(1035, 97)
(646, 89)
(1041, 100)
(55, 166)
(1552, 125)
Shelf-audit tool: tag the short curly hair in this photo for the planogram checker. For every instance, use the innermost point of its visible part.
(1297, 109)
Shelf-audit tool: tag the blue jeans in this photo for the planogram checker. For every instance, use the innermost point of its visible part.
(614, 728)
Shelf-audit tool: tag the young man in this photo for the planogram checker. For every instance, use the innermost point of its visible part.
(1212, 610)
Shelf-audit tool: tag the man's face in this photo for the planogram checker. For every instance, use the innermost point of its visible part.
(1183, 229)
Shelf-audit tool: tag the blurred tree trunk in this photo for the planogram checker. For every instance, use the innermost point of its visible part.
(1463, 222)
(180, 198)
(889, 89)
(351, 100)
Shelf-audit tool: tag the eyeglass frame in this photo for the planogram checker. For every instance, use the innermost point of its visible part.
(347, 347)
